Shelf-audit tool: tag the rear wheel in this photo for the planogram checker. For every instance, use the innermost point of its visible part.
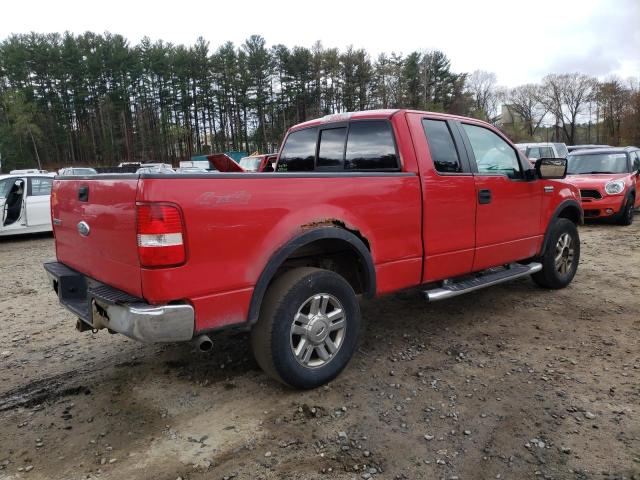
(308, 327)
(561, 257)
(626, 215)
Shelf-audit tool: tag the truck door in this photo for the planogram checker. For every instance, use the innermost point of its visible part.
(448, 197)
(508, 205)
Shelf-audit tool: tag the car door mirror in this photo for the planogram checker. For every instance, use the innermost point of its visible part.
(551, 168)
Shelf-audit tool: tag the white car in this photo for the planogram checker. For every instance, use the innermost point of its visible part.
(25, 203)
(533, 151)
(77, 171)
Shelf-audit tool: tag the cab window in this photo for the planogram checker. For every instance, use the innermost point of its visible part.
(331, 150)
(492, 153)
(443, 150)
(299, 151)
(371, 146)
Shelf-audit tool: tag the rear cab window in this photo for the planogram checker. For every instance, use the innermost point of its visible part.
(371, 146)
(359, 145)
(299, 151)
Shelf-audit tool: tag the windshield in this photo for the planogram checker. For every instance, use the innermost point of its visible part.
(5, 186)
(250, 163)
(597, 163)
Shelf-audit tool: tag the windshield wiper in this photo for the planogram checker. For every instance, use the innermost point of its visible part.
(594, 172)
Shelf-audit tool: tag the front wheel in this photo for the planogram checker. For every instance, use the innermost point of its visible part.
(561, 257)
(626, 215)
(308, 327)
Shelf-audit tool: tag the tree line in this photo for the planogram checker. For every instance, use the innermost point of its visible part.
(95, 99)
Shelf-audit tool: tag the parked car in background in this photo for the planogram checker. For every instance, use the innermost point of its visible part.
(533, 151)
(26, 170)
(608, 179)
(573, 148)
(259, 163)
(25, 203)
(368, 203)
(77, 171)
(190, 170)
(203, 164)
(158, 168)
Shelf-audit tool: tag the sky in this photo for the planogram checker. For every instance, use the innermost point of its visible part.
(519, 41)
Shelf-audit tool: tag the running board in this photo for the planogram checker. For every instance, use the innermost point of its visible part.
(492, 277)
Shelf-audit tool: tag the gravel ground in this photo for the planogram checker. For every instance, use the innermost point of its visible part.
(511, 382)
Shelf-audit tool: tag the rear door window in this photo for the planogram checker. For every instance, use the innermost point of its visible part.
(371, 146)
(443, 150)
(299, 151)
(331, 149)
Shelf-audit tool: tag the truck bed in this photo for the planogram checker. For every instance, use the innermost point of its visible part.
(233, 224)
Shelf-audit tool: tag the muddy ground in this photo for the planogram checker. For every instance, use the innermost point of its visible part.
(512, 382)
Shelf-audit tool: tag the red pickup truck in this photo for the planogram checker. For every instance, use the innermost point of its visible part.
(364, 203)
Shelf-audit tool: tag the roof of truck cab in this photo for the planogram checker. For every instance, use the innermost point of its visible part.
(373, 114)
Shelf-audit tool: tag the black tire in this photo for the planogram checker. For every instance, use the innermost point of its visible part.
(550, 276)
(271, 336)
(625, 217)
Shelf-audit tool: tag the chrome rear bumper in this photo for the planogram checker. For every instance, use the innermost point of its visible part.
(101, 306)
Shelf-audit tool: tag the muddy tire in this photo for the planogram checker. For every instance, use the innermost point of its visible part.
(625, 217)
(561, 257)
(308, 327)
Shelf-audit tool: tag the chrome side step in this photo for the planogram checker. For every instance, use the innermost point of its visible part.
(492, 277)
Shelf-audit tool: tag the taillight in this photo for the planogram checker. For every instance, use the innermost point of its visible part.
(160, 235)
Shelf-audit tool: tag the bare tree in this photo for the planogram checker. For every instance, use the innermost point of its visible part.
(524, 101)
(566, 96)
(612, 98)
(486, 94)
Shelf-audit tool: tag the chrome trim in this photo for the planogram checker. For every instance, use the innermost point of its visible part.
(443, 293)
(549, 188)
(146, 323)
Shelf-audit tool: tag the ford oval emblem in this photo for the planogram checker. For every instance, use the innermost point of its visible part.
(83, 228)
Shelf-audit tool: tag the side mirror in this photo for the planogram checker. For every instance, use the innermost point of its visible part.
(551, 168)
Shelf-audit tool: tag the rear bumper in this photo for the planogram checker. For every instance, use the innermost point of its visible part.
(101, 306)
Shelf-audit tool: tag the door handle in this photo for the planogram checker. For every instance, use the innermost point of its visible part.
(83, 193)
(484, 196)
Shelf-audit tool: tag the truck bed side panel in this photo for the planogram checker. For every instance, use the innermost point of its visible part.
(234, 224)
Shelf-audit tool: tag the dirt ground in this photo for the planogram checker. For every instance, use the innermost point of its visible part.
(512, 382)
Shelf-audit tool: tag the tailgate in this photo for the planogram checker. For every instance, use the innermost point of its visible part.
(107, 249)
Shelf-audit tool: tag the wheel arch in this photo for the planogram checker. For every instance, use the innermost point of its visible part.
(334, 236)
(569, 209)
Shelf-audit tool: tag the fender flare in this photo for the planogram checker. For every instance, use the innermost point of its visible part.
(278, 258)
(556, 214)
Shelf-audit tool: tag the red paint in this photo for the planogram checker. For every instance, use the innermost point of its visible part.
(224, 163)
(597, 208)
(420, 228)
